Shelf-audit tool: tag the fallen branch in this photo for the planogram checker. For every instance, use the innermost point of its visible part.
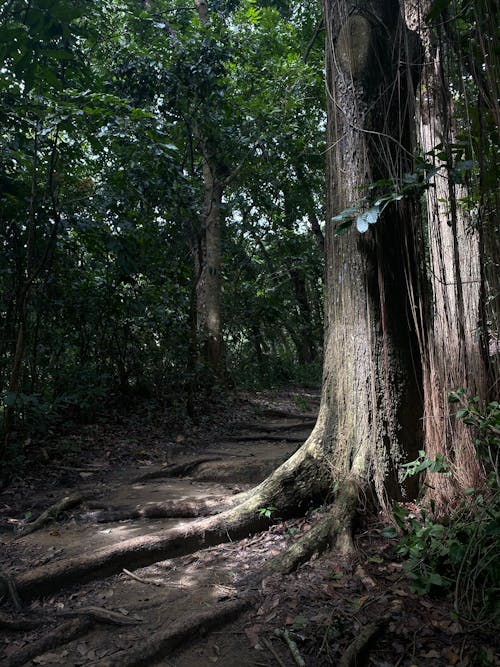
(68, 502)
(162, 642)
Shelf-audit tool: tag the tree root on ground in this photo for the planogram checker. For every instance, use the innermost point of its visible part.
(8, 588)
(86, 617)
(135, 553)
(289, 489)
(164, 641)
(50, 514)
(175, 469)
(185, 509)
(253, 437)
(20, 623)
(61, 635)
(360, 644)
(336, 523)
(272, 428)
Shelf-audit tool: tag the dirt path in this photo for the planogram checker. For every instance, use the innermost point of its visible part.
(211, 607)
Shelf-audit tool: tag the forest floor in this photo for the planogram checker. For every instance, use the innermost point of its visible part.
(210, 607)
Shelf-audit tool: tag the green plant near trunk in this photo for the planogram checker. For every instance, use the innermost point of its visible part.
(460, 552)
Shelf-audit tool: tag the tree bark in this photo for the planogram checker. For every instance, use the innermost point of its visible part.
(209, 285)
(451, 347)
(370, 402)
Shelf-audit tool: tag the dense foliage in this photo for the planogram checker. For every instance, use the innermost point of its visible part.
(101, 194)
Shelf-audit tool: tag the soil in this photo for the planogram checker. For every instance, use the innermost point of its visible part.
(210, 607)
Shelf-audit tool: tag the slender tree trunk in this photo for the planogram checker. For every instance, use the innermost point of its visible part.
(209, 284)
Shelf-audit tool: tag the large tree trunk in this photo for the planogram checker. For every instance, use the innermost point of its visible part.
(370, 404)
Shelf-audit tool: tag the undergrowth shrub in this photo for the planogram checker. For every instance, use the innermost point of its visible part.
(459, 553)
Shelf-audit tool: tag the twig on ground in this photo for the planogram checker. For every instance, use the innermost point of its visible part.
(272, 650)
(140, 579)
(294, 649)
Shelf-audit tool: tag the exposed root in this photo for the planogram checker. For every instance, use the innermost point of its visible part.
(134, 553)
(68, 502)
(161, 643)
(352, 656)
(185, 509)
(338, 522)
(20, 623)
(255, 437)
(272, 428)
(8, 586)
(101, 615)
(175, 469)
(289, 489)
(61, 635)
(86, 617)
(276, 412)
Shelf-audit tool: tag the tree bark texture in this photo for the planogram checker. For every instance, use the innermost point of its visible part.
(370, 404)
(453, 353)
(209, 285)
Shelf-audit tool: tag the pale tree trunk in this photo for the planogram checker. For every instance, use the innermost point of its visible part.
(452, 351)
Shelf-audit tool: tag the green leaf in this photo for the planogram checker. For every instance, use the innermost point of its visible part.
(389, 532)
